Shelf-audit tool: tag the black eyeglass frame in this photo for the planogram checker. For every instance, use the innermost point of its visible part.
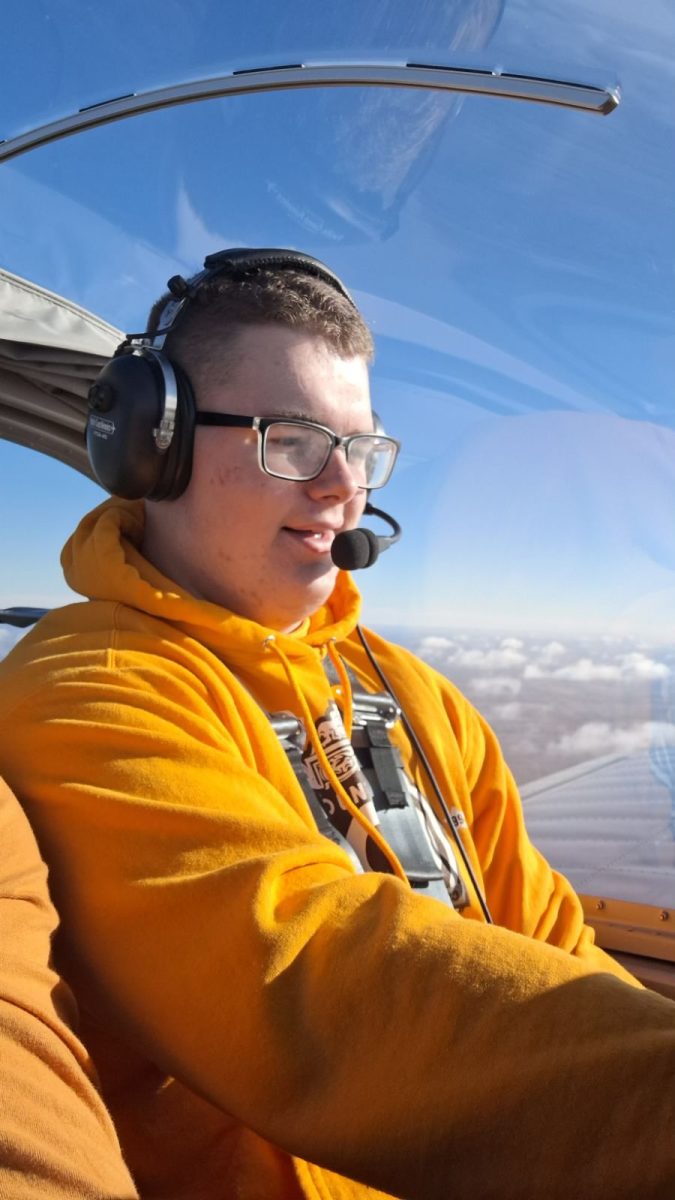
(263, 424)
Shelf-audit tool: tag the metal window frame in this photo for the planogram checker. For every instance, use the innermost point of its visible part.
(630, 928)
(496, 83)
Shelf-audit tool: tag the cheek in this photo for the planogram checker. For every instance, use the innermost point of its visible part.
(356, 507)
(220, 463)
(248, 506)
(224, 469)
(217, 504)
(229, 486)
(240, 505)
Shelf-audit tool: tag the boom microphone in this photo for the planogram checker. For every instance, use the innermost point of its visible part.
(358, 548)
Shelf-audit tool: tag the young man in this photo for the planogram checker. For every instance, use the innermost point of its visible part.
(277, 1011)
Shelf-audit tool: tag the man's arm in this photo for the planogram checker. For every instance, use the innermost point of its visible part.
(56, 1138)
(343, 1018)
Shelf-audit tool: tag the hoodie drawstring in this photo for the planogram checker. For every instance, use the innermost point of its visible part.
(346, 690)
(354, 811)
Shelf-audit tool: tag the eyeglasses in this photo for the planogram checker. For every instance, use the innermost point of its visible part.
(299, 450)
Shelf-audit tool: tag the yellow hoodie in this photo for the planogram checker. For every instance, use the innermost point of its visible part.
(267, 1021)
(56, 1139)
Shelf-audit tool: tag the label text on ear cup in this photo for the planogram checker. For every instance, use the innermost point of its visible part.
(102, 427)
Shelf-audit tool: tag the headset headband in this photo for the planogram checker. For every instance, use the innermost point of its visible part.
(235, 263)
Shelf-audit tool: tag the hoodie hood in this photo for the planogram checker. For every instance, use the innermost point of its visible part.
(283, 671)
(102, 561)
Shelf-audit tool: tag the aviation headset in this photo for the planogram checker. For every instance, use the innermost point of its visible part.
(141, 419)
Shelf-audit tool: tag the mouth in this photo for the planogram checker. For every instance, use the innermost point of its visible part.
(315, 541)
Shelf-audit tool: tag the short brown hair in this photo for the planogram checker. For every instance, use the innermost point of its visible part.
(202, 342)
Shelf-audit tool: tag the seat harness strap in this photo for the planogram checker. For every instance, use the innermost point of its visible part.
(430, 870)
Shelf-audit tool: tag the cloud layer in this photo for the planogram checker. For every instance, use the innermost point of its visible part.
(558, 702)
(608, 660)
(595, 738)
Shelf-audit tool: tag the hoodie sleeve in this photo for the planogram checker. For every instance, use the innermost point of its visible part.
(344, 1019)
(56, 1138)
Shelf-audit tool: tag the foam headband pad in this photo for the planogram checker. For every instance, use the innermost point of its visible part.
(241, 261)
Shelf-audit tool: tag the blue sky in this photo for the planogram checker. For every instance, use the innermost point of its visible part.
(516, 263)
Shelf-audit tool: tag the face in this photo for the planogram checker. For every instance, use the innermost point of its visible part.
(257, 545)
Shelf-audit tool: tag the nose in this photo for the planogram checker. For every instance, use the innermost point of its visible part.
(336, 481)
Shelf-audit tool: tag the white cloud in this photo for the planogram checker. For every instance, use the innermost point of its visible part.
(633, 666)
(598, 737)
(639, 666)
(507, 661)
(495, 685)
(434, 643)
(584, 670)
(508, 712)
(551, 652)
(511, 643)
(435, 649)
(490, 660)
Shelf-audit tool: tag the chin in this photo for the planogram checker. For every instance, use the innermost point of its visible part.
(309, 598)
(321, 585)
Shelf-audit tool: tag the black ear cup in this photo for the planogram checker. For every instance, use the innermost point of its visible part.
(126, 405)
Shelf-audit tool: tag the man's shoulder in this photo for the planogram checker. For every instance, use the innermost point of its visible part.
(81, 640)
(414, 673)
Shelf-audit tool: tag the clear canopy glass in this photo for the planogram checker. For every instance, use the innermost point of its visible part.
(517, 265)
